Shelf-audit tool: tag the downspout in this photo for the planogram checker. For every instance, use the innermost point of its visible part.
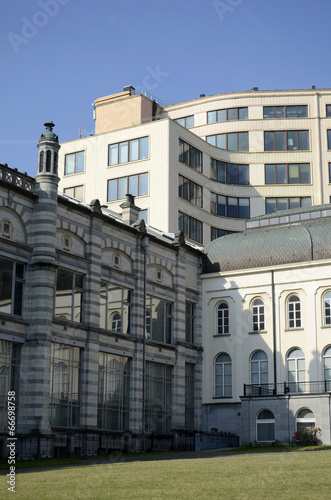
(273, 298)
(319, 146)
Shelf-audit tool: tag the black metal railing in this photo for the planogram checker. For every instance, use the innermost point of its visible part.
(311, 387)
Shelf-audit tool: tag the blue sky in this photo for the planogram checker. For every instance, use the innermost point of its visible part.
(58, 56)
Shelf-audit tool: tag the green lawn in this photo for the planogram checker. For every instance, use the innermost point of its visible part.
(288, 476)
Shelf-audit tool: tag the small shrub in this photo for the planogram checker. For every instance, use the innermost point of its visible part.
(308, 436)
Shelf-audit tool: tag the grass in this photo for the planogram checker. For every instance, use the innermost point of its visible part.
(242, 476)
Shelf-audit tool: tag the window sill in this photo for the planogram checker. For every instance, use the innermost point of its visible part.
(222, 397)
(257, 332)
(300, 329)
(222, 335)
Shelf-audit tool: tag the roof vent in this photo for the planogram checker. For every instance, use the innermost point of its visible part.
(129, 88)
(313, 87)
(255, 88)
(202, 95)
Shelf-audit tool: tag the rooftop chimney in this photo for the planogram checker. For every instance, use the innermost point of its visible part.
(202, 95)
(129, 88)
(130, 212)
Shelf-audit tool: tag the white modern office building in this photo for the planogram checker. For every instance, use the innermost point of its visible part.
(206, 165)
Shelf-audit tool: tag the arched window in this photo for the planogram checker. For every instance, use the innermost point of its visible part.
(222, 318)
(116, 322)
(223, 375)
(327, 367)
(258, 323)
(48, 160)
(327, 309)
(265, 426)
(41, 161)
(61, 382)
(296, 371)
(259, 368)
(305, 418)
(294, 311)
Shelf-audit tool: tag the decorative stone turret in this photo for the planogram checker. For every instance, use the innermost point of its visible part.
(48, 151)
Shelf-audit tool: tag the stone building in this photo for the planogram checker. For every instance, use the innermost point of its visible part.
(91, 370)
(267, 327)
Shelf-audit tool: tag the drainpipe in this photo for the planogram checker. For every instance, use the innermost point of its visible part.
(274, 326)
(144, 245)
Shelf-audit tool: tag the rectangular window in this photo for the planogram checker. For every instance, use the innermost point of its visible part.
(287, 173)
(190, 191)
(218, 233)
(114, 392)
(187, 121)
(189, 396)
(229, 206)
(158, 320)
(158, 387)
(233, 141)
(124, 152)
(115, 308)
(118, 188)
(189, 155)
(74, 163)
(275, 204)
(11, 289)
(75, 192)
(192, 228)
(329, 139)
(222, 115)
(229, 173)
(9, 378)
(300, 111)
(328, 110)
(189, 322)
(286, 140)
(69, 295)
(65, 386)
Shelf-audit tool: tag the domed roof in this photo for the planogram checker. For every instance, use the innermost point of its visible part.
(49, 135)
(268, 246)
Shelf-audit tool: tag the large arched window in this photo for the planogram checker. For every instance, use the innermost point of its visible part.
(223, 375)
(294, 312)
(296, 370)
(327, 308)
(259, 368)
(305, 418)
(265, 426)
(222, 318)
(327, 367)
(258, 323)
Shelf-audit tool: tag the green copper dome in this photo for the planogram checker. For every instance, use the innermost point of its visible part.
(49, 134)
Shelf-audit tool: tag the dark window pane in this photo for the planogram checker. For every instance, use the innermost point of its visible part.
(268, 112)
(243, 174)
(232, 207)
(243, 113)
(279, 112)
(233, 114)
(292, 140)
(243, 141)
(231, 173)
(269, 141)
(232, 141)
(329, 139)
(282, 204)
(304, 173)
(244, 208)
(221, 115)
(328, 110)
(280, 141)
(270, 174)
(303, 139)
(221, 205)
(302, 111)
(294, 202)
(270, 205)
(281, 173)
(221, 171)
(306, 202)
(291, 112)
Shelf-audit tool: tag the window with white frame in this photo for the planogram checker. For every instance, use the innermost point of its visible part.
(294, 312)
(265, 426)
(296, 370)
(258, 323)
(222, 319)
(327, 308)
(305, 418)
(259, 368)
(327, 367)
(223, 375)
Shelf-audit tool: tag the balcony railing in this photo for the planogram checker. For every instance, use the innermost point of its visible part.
(263, 390)
(16, 178)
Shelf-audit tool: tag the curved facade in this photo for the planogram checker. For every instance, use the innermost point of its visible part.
(206, 165)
